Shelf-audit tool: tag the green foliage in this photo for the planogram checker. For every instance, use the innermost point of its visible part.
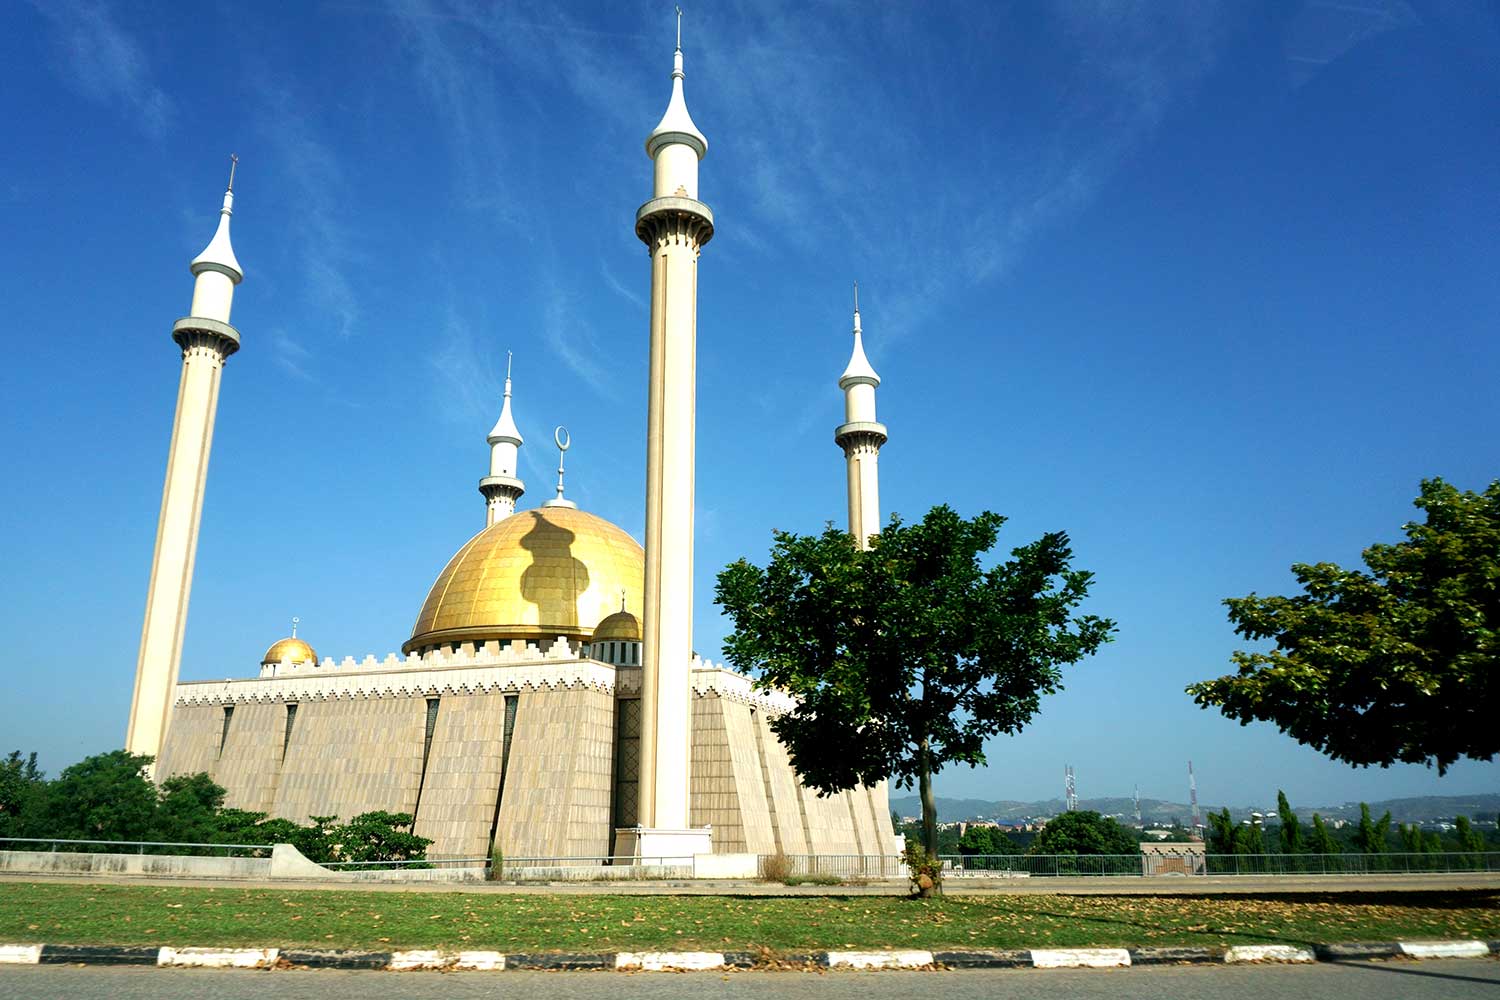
(103, 797)
(108, 797)
(924, 870)
(1291, 828)
(1412, 840)
(1393, 664)
(1469, 839)
(1372, 835)
(906, 657)
(1084, 832)
(986, 840)
(1321, 841)
(1221, 833)
(20, 780)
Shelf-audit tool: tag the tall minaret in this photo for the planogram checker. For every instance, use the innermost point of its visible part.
(502, 487)
(206, 339)
(674, 225)
(861, 436)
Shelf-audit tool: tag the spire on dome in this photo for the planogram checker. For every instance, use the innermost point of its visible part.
(563, 441)
(859, 370)
(505, 430)
(219, 254)
(676, 126)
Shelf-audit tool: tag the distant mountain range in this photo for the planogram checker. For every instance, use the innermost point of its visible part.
(1421, 809)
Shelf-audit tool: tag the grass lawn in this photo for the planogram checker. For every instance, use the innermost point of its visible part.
(381, 921)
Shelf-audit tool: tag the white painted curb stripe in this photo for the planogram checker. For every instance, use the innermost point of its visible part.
(1444, 949)
(20, 954)
(404, 961)
(669, 961)
(219, 958)
(480, 961)
(1080, 958)
(1269, 953)
(879, 959)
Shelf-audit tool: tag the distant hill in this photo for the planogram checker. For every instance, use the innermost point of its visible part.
(1420, 809)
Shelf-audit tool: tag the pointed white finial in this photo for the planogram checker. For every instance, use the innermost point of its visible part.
(859, 370)
(219, 254)
(295, 622)
(676, 125)
(563, 441)
(505, 430)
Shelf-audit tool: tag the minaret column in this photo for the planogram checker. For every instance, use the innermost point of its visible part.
(207, 340)
(502, 487)
(675, 226)
(861, 436)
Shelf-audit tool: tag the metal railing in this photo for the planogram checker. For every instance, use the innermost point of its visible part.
(1201, 863)
(58, 845)
(410, 863)
(843, 866)
(598, 861)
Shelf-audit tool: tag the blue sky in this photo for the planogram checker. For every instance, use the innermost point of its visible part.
(1209, 286)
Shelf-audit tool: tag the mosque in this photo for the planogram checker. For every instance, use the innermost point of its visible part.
(547, 702)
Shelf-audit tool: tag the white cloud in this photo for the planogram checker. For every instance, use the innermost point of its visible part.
(105, 63)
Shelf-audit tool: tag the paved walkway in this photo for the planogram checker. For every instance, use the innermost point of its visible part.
(1097, 886)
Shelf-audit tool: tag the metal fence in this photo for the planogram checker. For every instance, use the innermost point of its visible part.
(1199, 863)
(843, 866)
(61, 845)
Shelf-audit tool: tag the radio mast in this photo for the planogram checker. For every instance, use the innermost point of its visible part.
(1193, 797)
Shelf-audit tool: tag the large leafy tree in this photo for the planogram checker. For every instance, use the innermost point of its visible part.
(1083, 831)
(907, 656)
(1397, 662)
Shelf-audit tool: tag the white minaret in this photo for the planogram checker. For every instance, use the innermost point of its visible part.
(861, 436)
(502, 487)
(206, 339)
(674, 225)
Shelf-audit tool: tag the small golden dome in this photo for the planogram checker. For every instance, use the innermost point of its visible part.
(290, 649)
(622, 626)
(535, 575)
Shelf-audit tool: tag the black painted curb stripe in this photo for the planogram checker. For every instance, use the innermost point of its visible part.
(315, 959)
(1173, 956)
(561, 960)
(1012, 959)
(1357, 950)
(94, 954)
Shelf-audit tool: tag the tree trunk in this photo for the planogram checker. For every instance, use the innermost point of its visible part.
(929, 803)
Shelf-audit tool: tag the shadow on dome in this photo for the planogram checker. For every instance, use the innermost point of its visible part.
(551, 582)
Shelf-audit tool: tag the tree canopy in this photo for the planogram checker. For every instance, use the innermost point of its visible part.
(1397, 662)
(907, 656)
(1083, 831)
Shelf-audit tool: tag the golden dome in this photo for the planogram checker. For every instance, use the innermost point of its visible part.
(292, 650)
(535, 575)
(622, 626)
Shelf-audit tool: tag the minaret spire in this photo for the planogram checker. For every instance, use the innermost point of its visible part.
(675, 226)
(206, 340)
(503, 487)
(860, 436)
(563, 442)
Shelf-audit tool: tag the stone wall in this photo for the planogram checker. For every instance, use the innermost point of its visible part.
(359, 742)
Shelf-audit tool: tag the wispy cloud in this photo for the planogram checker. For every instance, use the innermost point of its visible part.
(572, 339)
(291, 355)
(105, 63)
(324, 243)
(1322, 31)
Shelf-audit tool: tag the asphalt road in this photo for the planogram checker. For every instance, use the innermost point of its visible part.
(1450, 979)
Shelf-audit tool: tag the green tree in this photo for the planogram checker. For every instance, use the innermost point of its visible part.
(1291, 829)
(1084, 831)
(1385, 665)
(379, 836)
(188, 810)
(1321, 841)
(20, 781)
(1412, 841)
(1470, 840)
(1222, 832)
(1373, 834)
(986, 841)
(908, 656)
(103, 797)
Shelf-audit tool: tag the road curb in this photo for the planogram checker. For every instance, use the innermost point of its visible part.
(699, 961)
